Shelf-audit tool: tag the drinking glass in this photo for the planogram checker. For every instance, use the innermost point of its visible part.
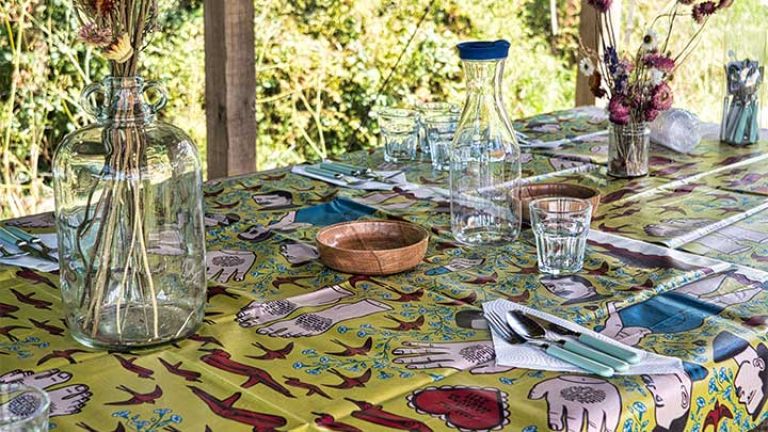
(425, 110)
(440, 130)
(23, 408)
(561, 226)
(399, 131)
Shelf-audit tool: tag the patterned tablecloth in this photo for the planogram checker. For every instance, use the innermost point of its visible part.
(291, 345)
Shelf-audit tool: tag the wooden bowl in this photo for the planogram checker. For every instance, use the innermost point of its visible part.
(373, 247)
(534, 191)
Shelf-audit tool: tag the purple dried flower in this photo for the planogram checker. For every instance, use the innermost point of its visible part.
(662, 97)
(618, 111)
(600, 5)
(659, 61)
(703, 10)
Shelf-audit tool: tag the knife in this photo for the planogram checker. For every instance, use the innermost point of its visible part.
(619, 352)
(24, 245)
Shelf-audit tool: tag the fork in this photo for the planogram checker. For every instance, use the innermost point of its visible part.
(498, 326)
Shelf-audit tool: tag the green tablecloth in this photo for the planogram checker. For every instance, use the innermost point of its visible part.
(291, 345)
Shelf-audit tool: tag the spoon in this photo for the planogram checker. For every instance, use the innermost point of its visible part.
(570, 344)
(534, 333)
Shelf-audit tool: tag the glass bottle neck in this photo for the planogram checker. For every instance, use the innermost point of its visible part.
(484, 77)
(126, 103)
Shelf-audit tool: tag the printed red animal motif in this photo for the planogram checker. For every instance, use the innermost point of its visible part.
(463, 408)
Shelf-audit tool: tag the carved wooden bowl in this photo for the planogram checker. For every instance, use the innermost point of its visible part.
(373, 247)
(534, 191)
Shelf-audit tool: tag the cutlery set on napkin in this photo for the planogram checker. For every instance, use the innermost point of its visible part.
(527, 338)
(21, 249)
(351, 176)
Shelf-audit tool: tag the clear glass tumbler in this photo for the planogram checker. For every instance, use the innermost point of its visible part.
(429, 109)
(399, 131)
(561, 226)
(23, 408)
(440, 130)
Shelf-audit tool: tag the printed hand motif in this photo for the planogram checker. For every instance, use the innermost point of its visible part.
(64, 401)
(476, 356)
(222, 265)
(573, 401)
(256, 313)
(312, 324)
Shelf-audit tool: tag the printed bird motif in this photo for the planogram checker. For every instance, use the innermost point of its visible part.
(326, 421)
(7, 310)
(676, 192)
(215, 290)
(406, 325)
(755, 321)
(716, 415)
(470, 298)
(723, 197)
(759, 258)
(443, 245)
(224, 408)
(616, 195)
(405, 297)
(672, 209)
(272, 354)
(205, 340)
(176, 369)
(516, 298)
(30, 300)
(6, 331)
(290, 280)
(350, 351)
(323, 198)
(65, 354)
(211, 194)
(375, 414)
(602, 270)
(310, 388)
(619, 229)
(51, 329)
(482, 280)
(725, 210)
(138, 398)
(35, 278)
(349, 382)
(129, 365)
(254, 188)
(221, 206)
(270, 177)
(354, 280)
(748, 179)
(221, 359)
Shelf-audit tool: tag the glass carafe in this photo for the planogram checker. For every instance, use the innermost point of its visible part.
(485, 156)
(129, 220)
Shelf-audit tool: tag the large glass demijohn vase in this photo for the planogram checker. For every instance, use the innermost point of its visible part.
(129, 218)
(485, 156)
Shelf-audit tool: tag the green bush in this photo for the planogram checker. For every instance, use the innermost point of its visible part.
(319, 66)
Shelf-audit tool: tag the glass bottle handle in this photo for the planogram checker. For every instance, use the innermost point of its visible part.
(89, 99)
(161, 95)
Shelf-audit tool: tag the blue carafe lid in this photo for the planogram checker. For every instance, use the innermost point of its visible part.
(483, 50)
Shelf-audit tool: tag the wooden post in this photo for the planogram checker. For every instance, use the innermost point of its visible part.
(230, 87)
(589, 37)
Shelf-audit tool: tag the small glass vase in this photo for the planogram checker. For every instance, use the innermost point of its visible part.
(628, 149)
(129, 219)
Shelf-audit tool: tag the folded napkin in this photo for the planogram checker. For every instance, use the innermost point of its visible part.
(32, 262)
(530, 357)
(366, 185)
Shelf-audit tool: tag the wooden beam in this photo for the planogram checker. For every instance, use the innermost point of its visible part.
(589, 37)
(230, 87)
